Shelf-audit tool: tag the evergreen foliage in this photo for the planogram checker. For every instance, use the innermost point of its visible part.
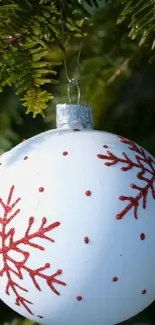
(141, 18)
(28, 30)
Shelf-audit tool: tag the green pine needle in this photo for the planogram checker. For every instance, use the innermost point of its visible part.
(28, 30)
(140, 15)
(36, 100)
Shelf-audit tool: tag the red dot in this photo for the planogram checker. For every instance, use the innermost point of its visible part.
(142, 236)
(105, 146)
(26, 157)
(79, 298)
(144, 292)
(41, 189)
(115, 279)
(86, 240)
(88, 193)
(65, 153)
(76, 130)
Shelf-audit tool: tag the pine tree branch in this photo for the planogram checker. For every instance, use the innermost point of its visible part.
(140, 16)
(28, 30)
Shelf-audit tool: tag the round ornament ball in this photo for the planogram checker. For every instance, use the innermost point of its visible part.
(77, 224)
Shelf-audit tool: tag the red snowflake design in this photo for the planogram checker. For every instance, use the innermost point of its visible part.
(144, 164)
(8, 244)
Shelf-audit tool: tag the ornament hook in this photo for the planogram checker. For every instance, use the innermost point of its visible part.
(71, 83)
(74, 81)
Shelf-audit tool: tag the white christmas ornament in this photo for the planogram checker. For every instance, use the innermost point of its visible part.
(77, 225)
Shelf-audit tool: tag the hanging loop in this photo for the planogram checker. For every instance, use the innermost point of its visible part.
(74, 81)
(71, 83)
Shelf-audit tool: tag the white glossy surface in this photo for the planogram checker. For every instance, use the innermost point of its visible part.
(115, 248)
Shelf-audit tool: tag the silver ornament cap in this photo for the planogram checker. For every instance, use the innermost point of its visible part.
(74, 116)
